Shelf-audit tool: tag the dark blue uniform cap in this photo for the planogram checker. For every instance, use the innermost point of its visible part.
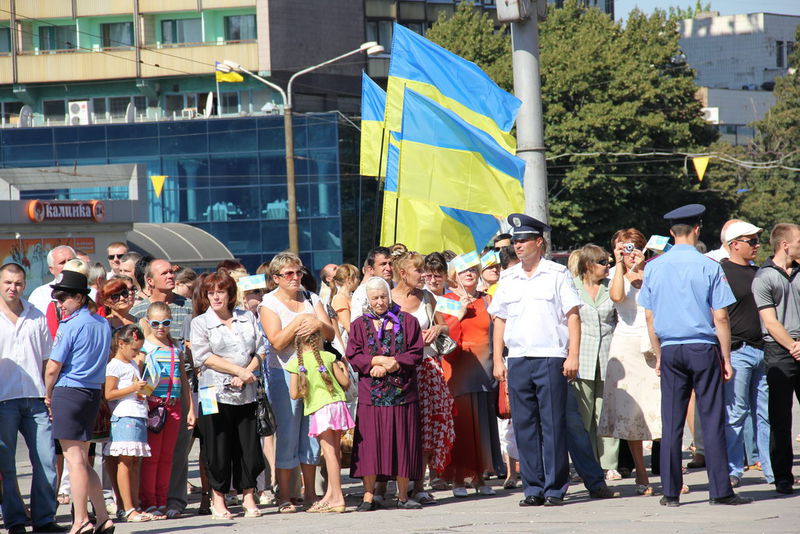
(690, 214)
(525, 226)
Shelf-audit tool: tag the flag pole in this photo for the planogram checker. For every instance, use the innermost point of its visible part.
(219, 100)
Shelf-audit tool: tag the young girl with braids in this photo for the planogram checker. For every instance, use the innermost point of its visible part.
(320, 380)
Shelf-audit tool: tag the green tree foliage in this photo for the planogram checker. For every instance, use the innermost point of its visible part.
(679, 13)
(609, 88)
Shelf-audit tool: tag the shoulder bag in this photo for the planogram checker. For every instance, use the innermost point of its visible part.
(157, 410)
(265, 417)
(443, 343)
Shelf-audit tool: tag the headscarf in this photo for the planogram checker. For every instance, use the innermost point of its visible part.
(376, 283)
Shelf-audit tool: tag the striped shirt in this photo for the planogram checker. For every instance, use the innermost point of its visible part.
(164, 357)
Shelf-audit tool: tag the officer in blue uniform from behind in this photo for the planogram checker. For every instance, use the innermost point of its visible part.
(685, 296)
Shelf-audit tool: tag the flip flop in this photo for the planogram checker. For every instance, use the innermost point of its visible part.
(287, 508)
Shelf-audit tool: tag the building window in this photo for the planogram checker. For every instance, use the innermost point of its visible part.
(181, 31)
(118, 105)
(381, 32)
(230, 102)
(5, 40)
(117, 34)
(789, 51)
(418, 27)
(779, 51)
(11, 109)
(54, 110)
(99, 108)
(240, 28)
(57, 38)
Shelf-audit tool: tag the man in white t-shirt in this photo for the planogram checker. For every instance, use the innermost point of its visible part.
(40, 297)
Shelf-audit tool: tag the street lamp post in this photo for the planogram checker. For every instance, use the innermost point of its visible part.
(288, 129)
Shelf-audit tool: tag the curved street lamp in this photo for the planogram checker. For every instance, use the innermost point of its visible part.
(371, 48)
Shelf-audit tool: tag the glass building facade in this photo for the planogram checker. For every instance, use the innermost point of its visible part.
(226, 176)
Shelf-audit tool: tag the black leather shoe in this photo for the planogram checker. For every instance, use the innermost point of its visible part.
(50, 527)
(731, 500)
(532, 501)
(784, 487)
(553, 501)
(367, 506)
(671, 502)
(17, 529)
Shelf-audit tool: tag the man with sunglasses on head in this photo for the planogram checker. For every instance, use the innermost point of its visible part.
(115, 251)
(746, 395)
(25, 345)
(685, 297)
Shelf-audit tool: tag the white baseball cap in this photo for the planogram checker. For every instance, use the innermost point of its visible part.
(738, 229)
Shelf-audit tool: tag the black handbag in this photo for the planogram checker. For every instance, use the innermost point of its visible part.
(265, 418)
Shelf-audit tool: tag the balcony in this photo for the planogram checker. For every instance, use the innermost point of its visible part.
(44, 9)
(67, 65)
(198, 58)
(93, 8)
(160, 6)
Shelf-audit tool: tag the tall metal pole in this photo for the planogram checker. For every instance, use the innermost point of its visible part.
(288, 133)
(530, 124)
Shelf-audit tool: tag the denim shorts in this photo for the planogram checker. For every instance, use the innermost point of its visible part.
(128, 437)
(293, 445)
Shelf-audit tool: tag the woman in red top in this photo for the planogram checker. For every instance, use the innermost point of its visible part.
(468, 371)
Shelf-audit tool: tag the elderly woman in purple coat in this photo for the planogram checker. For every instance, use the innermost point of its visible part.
(385, 347)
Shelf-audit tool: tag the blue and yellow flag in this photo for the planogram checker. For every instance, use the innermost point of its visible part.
(451, 81)
(373, 138)
(450, 163)
(229, 76)
(389, 214)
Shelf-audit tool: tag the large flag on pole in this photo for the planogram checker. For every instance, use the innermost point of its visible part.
(373, 144)
(226, 75)
(451, 81)
(389, 214)
(448, 162)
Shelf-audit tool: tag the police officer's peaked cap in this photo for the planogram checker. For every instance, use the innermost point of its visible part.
(524, 226)
(72, 282)
(690, 214)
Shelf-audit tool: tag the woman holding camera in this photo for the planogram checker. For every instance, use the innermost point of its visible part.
(632, 396)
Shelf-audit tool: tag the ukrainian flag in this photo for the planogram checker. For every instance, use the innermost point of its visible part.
(230, 76)
(450, 163)
(373, 144)
(451, 81)
(425, 226)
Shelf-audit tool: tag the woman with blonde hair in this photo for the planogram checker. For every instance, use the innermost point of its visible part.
(597, 323)
(632, 393)
(285, 313)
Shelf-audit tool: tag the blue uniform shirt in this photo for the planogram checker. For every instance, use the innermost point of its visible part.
(82, 346)
(681, 287)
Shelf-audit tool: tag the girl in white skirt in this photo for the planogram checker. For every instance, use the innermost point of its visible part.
(128, 416)
(320, 380)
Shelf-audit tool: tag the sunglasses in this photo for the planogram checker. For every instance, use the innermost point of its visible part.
(165, 323)
(115, 256)
(125, 293)
(602, 262)
(752, 242)
(290, 274)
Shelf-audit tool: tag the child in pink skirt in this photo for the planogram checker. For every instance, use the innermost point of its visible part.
(320, 380)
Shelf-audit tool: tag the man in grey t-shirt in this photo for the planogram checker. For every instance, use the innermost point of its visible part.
(776, 289)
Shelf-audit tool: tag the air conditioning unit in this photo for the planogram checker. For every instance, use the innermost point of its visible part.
(79, 113)
(711, 115)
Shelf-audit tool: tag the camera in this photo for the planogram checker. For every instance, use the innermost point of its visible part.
(628, 248)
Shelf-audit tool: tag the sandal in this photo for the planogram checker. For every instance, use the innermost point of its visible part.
(287, 508)
(226, 515)
(108, 530)
(510, 484)
(251, 512)
(684, 489)
(644, 489)
(155, 514)
(138, 518)
(83, 526)
(317, 507)
(172, 513)
(63, 498)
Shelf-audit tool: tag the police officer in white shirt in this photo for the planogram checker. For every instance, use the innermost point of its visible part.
(25, 344)
(536, 316)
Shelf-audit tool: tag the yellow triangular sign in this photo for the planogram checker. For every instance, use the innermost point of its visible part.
(700, 165)
(158, 184)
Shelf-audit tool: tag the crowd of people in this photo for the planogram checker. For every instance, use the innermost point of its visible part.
(435, 371)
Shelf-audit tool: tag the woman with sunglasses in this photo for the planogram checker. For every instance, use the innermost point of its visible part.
(116, 298)
(597, 323)
(285, 313)
(172, 392)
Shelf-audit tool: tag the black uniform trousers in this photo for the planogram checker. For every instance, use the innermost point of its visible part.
(537, 390)
(683, 367)
(783, 379)
(231, 447)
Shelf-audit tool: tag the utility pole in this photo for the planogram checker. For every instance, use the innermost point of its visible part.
(524, 17)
